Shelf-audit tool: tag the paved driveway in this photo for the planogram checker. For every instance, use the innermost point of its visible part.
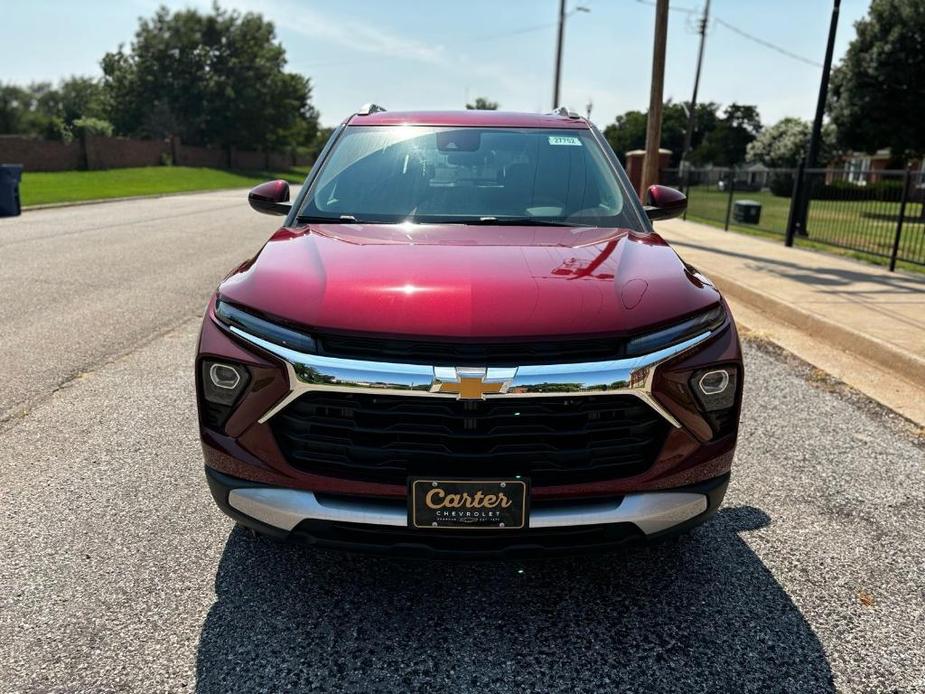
(118, 574)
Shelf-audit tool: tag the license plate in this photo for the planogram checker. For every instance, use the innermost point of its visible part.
(468, 504)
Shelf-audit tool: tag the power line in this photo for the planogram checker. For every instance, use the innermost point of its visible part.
(516, 32)
(525, 30)
(741, 32)
(541, 27)
(766, 44)
(475, 39)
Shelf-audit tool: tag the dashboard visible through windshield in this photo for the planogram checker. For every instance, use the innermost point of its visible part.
(470, 175)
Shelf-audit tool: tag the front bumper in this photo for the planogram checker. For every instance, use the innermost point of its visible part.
(246, 447)
(380, 526)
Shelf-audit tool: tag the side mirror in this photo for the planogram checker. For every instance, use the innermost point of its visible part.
(663, 202)
(271, 197)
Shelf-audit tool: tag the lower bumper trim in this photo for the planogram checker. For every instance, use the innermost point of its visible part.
(284, 509)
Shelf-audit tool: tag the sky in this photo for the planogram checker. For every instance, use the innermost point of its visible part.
(437, 54)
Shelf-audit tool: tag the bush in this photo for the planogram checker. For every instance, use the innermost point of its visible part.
(56, 129)
(840, 189)
(93, 126)
(781, 184)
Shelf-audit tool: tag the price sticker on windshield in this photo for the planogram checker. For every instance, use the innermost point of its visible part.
(564, 140)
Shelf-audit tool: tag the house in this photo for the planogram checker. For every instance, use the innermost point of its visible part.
(862, 168)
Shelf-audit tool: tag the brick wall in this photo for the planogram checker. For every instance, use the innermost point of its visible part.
(279, 161)
(190, 155)
(122, 152)
(39, 155)
(98, 152)
(247, 160)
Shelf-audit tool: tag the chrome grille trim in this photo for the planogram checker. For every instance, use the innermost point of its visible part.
(630, 376)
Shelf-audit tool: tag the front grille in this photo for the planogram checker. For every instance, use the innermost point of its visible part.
(551, 440)
(458, 353)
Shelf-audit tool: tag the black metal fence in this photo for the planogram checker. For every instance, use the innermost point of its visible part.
(877, 213)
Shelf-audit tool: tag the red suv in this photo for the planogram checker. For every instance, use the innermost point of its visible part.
(466, 339)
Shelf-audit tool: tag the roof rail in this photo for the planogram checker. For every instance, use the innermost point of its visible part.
(367, 109)
(565, 112)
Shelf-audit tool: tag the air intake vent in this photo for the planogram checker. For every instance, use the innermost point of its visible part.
(387, 438)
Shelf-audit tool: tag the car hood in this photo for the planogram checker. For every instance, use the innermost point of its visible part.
(457, 281)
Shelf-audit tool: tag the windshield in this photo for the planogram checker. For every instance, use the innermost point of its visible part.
(468, 176)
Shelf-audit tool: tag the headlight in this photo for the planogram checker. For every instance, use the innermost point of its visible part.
(222, 385)
(715, 388)
(222, 382)
(679, 332)
(259, 327)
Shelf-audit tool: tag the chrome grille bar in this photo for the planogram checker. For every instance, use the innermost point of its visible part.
(630, 376)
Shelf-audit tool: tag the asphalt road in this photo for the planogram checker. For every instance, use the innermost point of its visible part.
(118, 574)
(96, 281)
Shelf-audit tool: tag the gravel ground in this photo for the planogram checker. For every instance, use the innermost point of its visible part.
(118, 574)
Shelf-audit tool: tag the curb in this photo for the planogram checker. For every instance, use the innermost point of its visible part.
(100, 201)
(905, 365)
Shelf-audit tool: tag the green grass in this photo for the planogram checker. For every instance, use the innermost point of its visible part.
(843, 227)
(38, 188)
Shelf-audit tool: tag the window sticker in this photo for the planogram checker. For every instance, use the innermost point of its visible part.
(564, 140)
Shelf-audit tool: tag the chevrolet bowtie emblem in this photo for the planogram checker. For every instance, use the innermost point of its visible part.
(471, 383)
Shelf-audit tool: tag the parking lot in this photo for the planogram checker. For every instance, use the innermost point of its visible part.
(119, 574)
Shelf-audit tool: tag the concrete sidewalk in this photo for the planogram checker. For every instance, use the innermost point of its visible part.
(829, 310)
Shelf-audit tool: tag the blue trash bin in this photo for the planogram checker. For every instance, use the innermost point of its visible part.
(10, 174)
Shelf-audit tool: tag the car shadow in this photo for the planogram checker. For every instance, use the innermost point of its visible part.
(701, 613)
(823, 275)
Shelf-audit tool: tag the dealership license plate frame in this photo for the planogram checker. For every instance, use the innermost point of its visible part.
(515, 519)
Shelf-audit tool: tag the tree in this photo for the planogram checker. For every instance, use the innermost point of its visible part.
(80, 97)
(725, 144)
(321, 139)
(877, 93)
(41, 109)
(483, 104)
(28, 110)
(628, 131)
(92, 126)
(212, 79)
(783, 144)
(14, 101)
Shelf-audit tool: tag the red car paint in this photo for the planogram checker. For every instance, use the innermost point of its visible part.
(458, 282)
(463, 283)
(249, 450)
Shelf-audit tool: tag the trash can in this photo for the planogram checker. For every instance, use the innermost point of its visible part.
(747, 211)
(9, 189)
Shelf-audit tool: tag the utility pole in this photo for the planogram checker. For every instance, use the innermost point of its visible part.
(801, 195)
(558, 78)
(654, 122)
(691, 116)
(555, 88)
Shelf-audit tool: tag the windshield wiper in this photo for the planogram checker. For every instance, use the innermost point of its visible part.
(474, 221)
(342, 219)
(508, 221)
(306, 218)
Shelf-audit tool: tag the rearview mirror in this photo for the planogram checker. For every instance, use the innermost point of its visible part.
(271, 197)
(663, 202)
